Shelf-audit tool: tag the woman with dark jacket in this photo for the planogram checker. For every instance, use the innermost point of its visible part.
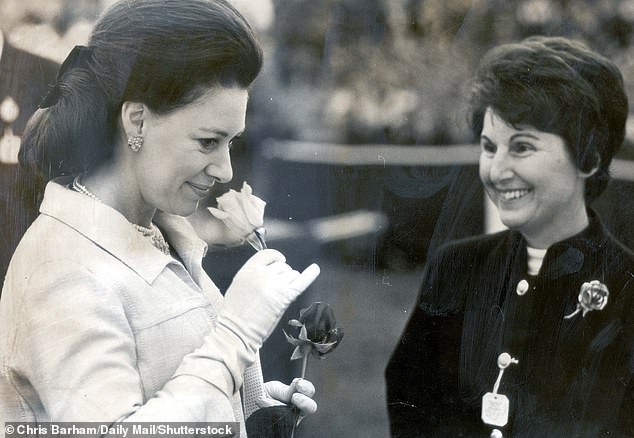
(530, 331)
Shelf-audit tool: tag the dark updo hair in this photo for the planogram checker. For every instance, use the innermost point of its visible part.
(561, 87)
(163, 53)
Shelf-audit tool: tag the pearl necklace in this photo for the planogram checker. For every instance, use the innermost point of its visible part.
(155, 235)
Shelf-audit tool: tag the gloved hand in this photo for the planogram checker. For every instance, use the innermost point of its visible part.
(260, 293)
(257, 298)
(299, 394)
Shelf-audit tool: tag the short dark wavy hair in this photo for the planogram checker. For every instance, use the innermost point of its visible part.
(558, 86)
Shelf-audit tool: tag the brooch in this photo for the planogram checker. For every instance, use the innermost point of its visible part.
(592, 296)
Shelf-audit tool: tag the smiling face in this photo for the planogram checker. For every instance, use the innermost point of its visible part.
(531, 178)
(187, 150)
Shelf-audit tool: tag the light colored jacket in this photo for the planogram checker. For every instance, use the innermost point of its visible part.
(95, 321)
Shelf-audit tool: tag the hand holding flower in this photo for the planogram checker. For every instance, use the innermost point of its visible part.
(243, 214)
(592, 296)
(299, 394)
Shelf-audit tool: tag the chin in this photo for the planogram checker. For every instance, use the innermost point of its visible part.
(512, 221)
(183, 210)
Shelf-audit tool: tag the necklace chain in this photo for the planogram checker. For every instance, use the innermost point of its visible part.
(152, 232)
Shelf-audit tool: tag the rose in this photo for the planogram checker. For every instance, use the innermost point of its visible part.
(243, 213)
(318, 334)
(593, 295)
(321, 328)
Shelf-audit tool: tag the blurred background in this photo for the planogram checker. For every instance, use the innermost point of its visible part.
(357, 139)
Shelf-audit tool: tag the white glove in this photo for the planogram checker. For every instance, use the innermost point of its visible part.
(254, 303)
(259, 295)
(299, 394)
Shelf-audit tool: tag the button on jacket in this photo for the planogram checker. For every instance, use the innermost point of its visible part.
(95, 321)
(574, 376)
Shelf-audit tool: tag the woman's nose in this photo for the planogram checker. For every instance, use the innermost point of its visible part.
(501, 167)
(219, 166)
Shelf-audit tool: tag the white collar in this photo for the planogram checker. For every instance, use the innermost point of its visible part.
(535, 259)
(110, 229)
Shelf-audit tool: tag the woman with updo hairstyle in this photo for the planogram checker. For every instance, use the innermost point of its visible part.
(106, 313)
(529, 331)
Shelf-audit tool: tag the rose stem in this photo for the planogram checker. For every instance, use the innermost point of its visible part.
(304, 361)
(297, 417)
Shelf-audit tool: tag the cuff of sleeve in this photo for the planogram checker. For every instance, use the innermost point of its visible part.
(220, 361)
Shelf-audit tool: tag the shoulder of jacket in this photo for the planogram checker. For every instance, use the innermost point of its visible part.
(483, 243)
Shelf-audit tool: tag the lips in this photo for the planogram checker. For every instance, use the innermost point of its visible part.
(511, 195)
(200, 189)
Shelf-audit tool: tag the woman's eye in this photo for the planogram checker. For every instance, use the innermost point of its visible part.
(233, 141)
(488, 147)
(522, 148)
(208, 143)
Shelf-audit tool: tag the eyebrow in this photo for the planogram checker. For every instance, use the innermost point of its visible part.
(484, 137)
(220, 132)
(524, 134)
(513, 137)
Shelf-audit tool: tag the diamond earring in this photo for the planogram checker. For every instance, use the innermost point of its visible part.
(135, 142)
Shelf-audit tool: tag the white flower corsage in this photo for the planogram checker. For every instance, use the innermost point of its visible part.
(592, 296)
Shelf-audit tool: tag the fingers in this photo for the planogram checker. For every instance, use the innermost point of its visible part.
(303, 386)
(269, 273)
(299, 393)
(278, 268)
(266, 402)
(306, 405)
(302, 396)
(266, 257)
(289, 277)
(283, 393)
(279, 391)
(306, 278)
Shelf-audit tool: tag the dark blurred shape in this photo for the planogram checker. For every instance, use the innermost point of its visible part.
(73, 11)
(451, 207)
(615, 206)
(355, 22)
(300, 38)
(272, 422)
(25, 78)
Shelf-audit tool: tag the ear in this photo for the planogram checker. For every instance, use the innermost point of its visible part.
(132, 115)
(593, 169)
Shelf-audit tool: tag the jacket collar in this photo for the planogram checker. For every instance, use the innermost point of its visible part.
(568, 256)
(110, 230)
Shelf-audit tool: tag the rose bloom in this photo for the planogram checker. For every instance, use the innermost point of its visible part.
(242, 212)
(319, 333)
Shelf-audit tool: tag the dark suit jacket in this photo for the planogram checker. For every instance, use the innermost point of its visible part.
(574, 376)
(25, 78)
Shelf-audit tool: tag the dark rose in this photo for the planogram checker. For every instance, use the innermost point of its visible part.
(318, 332)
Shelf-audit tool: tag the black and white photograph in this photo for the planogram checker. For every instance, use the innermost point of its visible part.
(317, 218)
